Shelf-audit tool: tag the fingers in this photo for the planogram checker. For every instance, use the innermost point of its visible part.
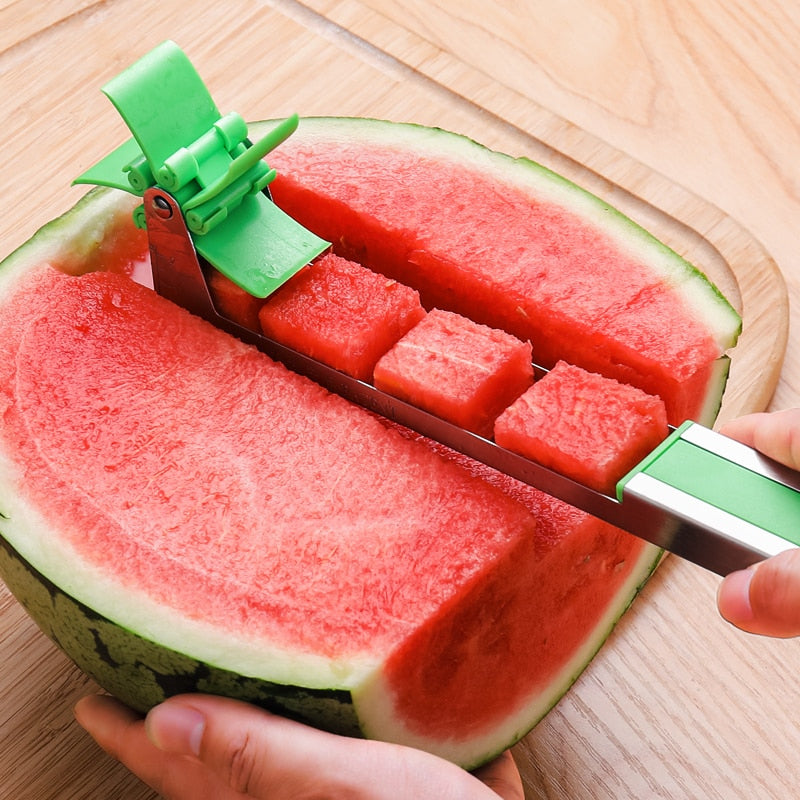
(775, 434)
(197, 746)
(120, 732)
(252, 752)
(766, 598)
(109, 722)
(261, 755)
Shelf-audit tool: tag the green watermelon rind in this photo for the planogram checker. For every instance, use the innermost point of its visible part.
(88, 223)
(143, 673)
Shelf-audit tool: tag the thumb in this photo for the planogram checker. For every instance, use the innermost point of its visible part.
(260, 755)
(776, 434)
(764, 599)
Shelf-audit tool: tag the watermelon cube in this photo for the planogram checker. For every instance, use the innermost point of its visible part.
(234, 302)
(457, 369)
(591, 428)
(341, 313)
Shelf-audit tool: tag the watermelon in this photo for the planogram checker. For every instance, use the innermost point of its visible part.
(341, 313)
(518, 248)
(179, 513)
(458, 369)
(586, 426)
(233, 302)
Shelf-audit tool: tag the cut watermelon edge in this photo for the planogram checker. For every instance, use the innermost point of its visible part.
(142, 672)
(89, 220)
(29, 534)
(374, 704)
(141, 668)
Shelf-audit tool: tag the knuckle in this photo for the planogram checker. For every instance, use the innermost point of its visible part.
(242, 763)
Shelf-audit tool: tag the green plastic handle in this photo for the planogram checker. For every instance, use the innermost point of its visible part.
(725, 476)
(183, 146)
(245, 162)
(164, 102)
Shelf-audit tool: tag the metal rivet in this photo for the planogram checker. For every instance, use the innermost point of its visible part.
(162, 207)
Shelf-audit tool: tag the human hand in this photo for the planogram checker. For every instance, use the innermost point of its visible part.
(765, 599)
(201, 747)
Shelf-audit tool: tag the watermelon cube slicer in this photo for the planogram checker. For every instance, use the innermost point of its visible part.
(187, 159)
(206, 202)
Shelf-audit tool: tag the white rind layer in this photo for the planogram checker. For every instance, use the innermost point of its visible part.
(32, 537)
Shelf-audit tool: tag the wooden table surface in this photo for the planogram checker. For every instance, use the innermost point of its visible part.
(686, 114)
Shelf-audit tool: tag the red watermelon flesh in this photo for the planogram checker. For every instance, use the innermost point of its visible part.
(434, 662)
(438, 691)
(269, 439)
(234, 302)
(341, 313)
(583, 425)
(460, 370)
(353, 555)
(553, 278)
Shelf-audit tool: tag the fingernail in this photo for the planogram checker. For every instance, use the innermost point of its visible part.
(176, 728)
(734, 597)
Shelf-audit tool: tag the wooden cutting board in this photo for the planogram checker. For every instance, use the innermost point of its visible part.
(264, 59)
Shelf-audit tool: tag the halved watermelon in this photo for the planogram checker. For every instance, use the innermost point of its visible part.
(179, 513)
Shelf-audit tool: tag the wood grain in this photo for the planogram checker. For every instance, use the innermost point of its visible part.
(704, 92)
(677, 705)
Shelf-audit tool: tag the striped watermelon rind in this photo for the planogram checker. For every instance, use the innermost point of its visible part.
(143, 673)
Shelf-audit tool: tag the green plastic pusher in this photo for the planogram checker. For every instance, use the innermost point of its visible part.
(196, 168)
(699, 495)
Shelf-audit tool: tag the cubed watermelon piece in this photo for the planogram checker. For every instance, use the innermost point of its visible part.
(457, 369)
(234, 302)
(591, 428)
(342, 314)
